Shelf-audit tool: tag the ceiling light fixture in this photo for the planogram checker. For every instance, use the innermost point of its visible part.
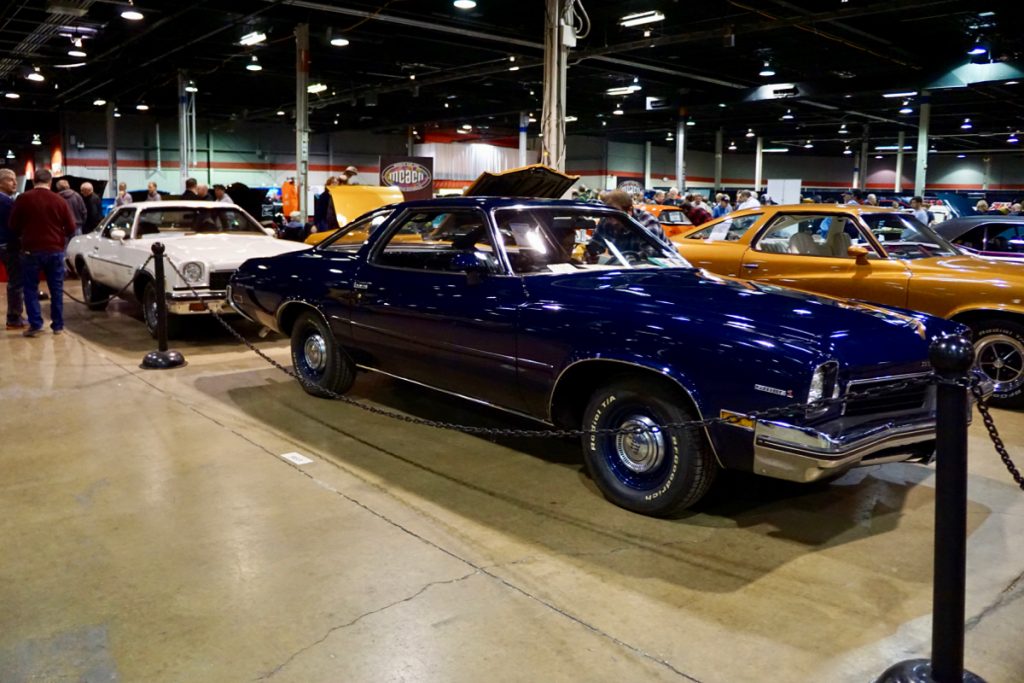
(34, 75)
(906, 109)
(142, 106)
(99, 102)
(570, 119)
(767, 70)
(847, 151)
(808, 145)
(464, 4)
(253, 65)
(12, 95)
(622, 91)
(280, 112)
(1013, 139)
(10, 154)
(412, 77)
(977, 49)
(966, 125)
(641, 18)
(878, 156)
(843, 131)
(1012, 83)
(339, 41)
(467, 126)
(254, 38)
(907, 93)
(961, 156)
(750, 132)
(36, 140)
(513, 68)
(191, 87)
(618, 111)
(77, 53)
(788, 116)
(131, 13)
(775, 150)
(691, 122)
(732, 146)
(117, 114)
(315, 88)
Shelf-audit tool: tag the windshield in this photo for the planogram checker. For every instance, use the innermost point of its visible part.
(905, 238)
(195, 220)
(567, 239)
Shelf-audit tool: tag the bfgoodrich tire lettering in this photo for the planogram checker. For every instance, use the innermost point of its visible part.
(317, 358)
(999, 350)
(657, 472)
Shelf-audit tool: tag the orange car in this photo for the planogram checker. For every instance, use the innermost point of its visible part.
(672, 220)
(877, 255)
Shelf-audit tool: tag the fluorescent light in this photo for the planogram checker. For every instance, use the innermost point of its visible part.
(465, 4)
(513, 68)
(280, 112)
(77, 53)
(775, 150)
(12, 95)
(767, 70)
(905, 109)
(879, 156)
(339, 42)
(691, 122)
(34, 75)
(315, 88)
(1011, 83)
(978, 49)
(847, 151)
(570, 119)
(961, 156)
(906, 93)
(142, 106)
(99, 102)
(624, 90)
(618, 111)
(253, 38)
(890, 148)
(254, 65)
(640, 18)
(67, 66)
(191, 87)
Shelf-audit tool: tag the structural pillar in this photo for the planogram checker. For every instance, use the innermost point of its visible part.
(987, 171)
(302, 117)
(524, 127)
(112, 148)
(921, 170)
(184, 129)
(758, 164)
(862, 180)
(558, 38)
(648, 181)
(900, 141)
(719, 135)
(681, 155)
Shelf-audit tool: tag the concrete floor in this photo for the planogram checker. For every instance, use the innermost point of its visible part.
(152, 532)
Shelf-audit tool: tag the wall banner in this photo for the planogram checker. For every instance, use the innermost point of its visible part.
(414, 176)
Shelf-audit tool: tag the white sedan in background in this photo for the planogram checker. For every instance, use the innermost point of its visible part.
(206, 241)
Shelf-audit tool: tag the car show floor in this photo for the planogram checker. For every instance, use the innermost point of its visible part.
(152, 531)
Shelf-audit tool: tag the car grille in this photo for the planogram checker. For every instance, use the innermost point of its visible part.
(898, 400)
(219, 279)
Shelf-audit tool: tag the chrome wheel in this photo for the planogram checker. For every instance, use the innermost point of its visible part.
(315, 352)
(642, 449)
(1001, 358)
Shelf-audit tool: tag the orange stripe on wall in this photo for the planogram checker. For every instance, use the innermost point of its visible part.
(171, 165)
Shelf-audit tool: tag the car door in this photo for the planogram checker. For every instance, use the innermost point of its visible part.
(421, 314)
(106, 256)
(719, 247)
(810, 251)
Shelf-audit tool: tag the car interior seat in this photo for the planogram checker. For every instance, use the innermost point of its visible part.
(803, 243)
(837, 242)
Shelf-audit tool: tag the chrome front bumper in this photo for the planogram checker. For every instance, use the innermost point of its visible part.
(785, 451)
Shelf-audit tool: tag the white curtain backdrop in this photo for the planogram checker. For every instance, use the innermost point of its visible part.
(467, 161)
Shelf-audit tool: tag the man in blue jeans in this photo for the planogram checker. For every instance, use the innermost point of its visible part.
(9, 252)
(43, 223)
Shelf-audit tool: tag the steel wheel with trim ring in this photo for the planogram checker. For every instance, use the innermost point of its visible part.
(650, 471)
(149, 314)
(318, 359)
(999, 353)
(95, 295)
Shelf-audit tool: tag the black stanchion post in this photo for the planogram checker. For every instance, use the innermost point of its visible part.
(952, 358)
(162, 358)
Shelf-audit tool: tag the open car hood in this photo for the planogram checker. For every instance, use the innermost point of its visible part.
(537, 181)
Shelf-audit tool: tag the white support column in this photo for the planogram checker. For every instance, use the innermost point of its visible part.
(112, 148)
(758, 165)
(302, 117)
(524, 127)
(648, 181)
(681, 155)
(921, 169)
(862, 180)
(184, 130)
(719, 134)
(558, 38)
(986, 178)
(900, 141)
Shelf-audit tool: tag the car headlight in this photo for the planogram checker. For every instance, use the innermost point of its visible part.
(193, 272)
(824, 384)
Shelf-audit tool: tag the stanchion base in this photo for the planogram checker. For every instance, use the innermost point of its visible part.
(163, 360)
(917, 671)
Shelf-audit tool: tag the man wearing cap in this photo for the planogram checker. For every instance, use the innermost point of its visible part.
(348, 176)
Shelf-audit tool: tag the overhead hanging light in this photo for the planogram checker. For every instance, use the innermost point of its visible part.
(1013, 139)
(34, 75)
(1012, 83)
(767, 69)
(906, 109)
(12, 95)
(977, 49)
(750, 132)
(36, 140)
(691, 122)
(961, 156)
(77, 52)
(117, 114)
(847, 151)
(464, 4)
(280, 112)
(618, 111)
(315, 88)
(902, 93)
(254, 38)
(788, 116)
(10, 154)
(131, 13)
(99, 102)
(338, 41)
(254, 65)
(191, 87)
(640, 18)
(732, 146)
(843, 131)
(966, 125)
(622, 91)
(808, 145)
(570, 119)
(142, 106)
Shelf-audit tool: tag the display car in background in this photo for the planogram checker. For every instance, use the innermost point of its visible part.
(206, 241)
(998, 237)
(881, 256)
(573, 314)
(673, 220)
(351, 201)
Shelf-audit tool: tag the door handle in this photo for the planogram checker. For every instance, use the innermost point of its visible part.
(751, 266)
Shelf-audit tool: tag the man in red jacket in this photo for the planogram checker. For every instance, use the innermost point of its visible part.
(43, 223)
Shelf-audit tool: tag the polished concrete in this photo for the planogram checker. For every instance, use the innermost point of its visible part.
(151, 531)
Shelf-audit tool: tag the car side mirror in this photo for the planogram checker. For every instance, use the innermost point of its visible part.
(117, 234)
(858, 253)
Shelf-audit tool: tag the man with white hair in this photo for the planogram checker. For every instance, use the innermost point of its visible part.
(9, 253)
(747, 200)
(93, 208)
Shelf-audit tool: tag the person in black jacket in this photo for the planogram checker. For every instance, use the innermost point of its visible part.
(93, 208)
(190, 189)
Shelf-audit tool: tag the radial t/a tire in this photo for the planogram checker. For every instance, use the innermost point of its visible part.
(999, 353)
(96, 296)
(654, 472)
(318, 359)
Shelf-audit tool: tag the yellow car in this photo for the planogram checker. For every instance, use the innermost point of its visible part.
(352, 201)
(876, 255)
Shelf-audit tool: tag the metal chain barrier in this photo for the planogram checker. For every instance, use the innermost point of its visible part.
(993, 432)
(116, 294)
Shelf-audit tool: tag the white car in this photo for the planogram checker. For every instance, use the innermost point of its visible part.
(207, 241)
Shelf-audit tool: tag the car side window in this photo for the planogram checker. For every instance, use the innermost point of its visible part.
(1004, 238)
(439, 240)
(355, 234)
(828, 236)
(123, 220)
(729, 230)
(973, 238)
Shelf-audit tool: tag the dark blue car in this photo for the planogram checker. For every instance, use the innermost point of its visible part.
(573, 314)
